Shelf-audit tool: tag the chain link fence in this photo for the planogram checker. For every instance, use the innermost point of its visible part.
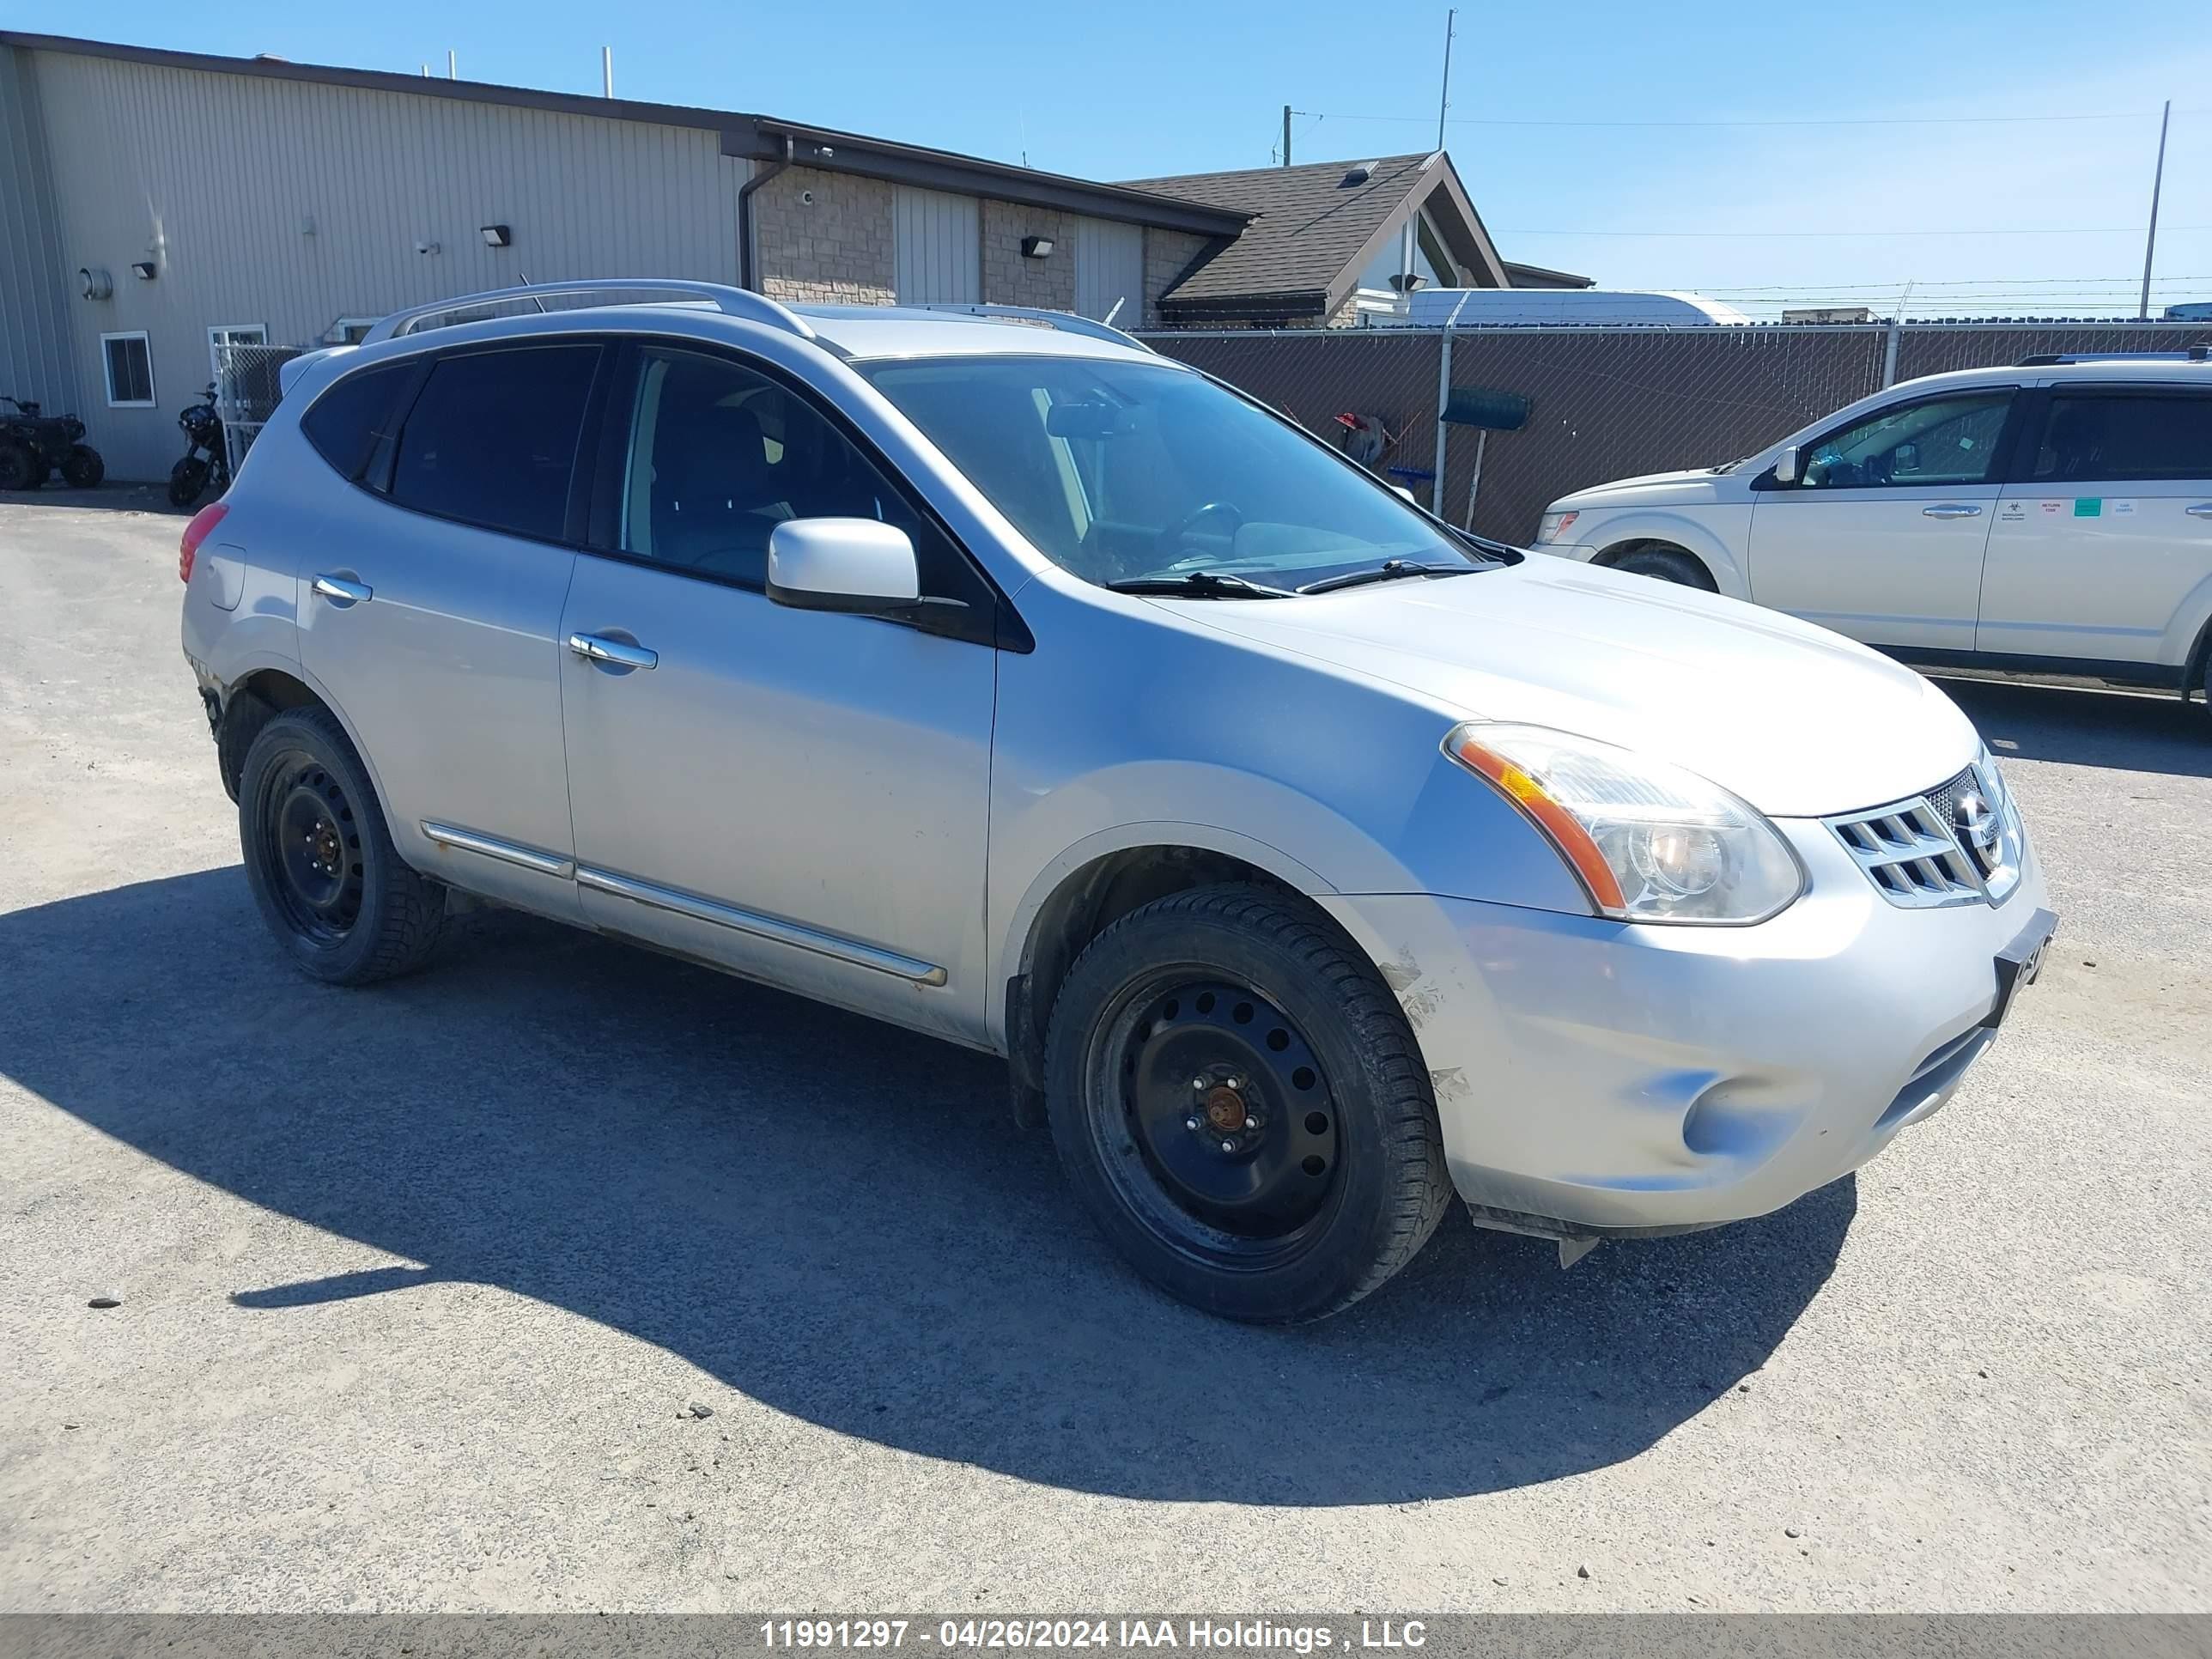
(246, 392)
(1605, 403)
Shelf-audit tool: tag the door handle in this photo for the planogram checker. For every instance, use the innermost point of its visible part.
(619, 652)
(341, 592)
(1951, 510)
(2203, 511)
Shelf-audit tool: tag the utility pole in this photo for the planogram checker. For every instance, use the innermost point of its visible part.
(1286, 134)
(2150, 240)
(1444, 102)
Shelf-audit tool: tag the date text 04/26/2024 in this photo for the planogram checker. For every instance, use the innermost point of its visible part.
(1052, 1635)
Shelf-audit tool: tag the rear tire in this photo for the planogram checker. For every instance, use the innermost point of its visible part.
(19, 468)
(82, 468)
(1667, 564)
(346, 908)
(187, 478)
(1317, 1168)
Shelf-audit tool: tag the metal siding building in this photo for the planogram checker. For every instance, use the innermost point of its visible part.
(286, 197)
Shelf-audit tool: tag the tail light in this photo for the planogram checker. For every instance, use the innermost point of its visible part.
(202, 526)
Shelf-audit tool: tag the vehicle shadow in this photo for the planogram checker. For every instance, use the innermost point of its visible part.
(837, 1218)
(2129, 732)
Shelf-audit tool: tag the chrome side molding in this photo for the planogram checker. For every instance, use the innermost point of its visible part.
(545, 864)
(746, 921)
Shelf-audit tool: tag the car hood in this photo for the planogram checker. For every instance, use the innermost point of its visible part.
(1798, 721)
(1692, 485)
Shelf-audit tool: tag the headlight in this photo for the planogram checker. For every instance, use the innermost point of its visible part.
(1649, 841)
(1554, 526)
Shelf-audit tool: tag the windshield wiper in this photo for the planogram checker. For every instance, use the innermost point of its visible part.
(1200, 585)
(1388, 571)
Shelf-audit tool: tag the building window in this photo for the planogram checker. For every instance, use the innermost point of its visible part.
(130, 364)
(349, 331)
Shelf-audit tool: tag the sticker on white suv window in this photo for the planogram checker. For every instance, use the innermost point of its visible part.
(2089, 507)
(2121, 510)
(2012, 513)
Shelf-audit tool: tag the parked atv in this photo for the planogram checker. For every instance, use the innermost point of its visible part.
(33, 445)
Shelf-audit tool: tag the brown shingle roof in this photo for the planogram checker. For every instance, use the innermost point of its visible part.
(1311, 225)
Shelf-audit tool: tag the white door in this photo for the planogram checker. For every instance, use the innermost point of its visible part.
(938, 247)
(2107, 528)
(1110, 271)
(1881, 535)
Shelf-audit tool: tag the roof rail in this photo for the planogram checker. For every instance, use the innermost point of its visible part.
(1067, 321)
(2195, 353)
(730, 302)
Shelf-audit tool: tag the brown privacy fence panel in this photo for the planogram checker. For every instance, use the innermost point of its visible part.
(1608, 402)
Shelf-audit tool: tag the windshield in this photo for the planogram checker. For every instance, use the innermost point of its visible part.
(1124, 472)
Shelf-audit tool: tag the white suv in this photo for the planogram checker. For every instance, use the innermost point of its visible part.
(2051, 518)
(1307, 859)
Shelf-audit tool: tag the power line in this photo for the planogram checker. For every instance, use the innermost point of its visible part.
(1782, 121)
(2036, 230)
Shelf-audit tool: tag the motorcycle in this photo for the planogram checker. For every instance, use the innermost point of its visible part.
(202, 428)
(32, 446)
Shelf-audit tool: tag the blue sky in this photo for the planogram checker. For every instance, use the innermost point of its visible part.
(1898, 190)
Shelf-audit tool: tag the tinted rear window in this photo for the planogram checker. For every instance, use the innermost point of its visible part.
(2094, 436)
(491, 439)
(345, 422)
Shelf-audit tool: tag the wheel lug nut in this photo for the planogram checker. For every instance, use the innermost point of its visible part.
(1235, 1082)
(1190, 1122)
(1198, 1083)
(1228, 1145)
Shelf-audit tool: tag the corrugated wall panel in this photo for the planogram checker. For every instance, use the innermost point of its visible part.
(1110, 266)
(938, 241)
(36, 361)
(214, 175)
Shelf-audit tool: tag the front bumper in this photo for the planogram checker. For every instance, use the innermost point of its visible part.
(1595, 1077)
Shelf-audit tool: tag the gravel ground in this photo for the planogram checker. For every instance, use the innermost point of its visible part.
(563, 1276)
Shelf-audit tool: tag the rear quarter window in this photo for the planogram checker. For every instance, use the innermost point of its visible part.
(353, 414)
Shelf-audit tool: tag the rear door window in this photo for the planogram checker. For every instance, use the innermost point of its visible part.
(491, 439)
(2098, 435)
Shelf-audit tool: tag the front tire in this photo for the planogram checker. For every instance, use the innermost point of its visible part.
(1315, 1170)
(19, 468)
(344, 908)
(187, 478)
(82, 468)
(1667, 564)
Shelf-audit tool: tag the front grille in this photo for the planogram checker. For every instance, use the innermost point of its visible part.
(1959, 843)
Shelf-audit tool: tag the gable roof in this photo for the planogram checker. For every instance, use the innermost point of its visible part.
(754, 137)
(1313, 232)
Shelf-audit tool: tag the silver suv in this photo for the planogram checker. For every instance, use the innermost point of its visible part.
(1307, 859)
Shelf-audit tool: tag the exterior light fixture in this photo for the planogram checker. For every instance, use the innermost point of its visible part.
(143, 270)
(496, 235)
(1036, 247)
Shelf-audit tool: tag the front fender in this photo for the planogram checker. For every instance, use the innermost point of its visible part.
(1720, 546)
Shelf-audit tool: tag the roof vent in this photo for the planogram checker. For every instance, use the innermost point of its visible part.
(1357, 176)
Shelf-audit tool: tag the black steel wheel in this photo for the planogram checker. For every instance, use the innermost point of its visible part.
(1240, 1104)
(82, 468)
(19, 468)
(1227, 1138)
(320, 860)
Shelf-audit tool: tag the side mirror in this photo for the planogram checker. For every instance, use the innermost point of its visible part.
(842, 564)
(1785, 465)
(1401, 489)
